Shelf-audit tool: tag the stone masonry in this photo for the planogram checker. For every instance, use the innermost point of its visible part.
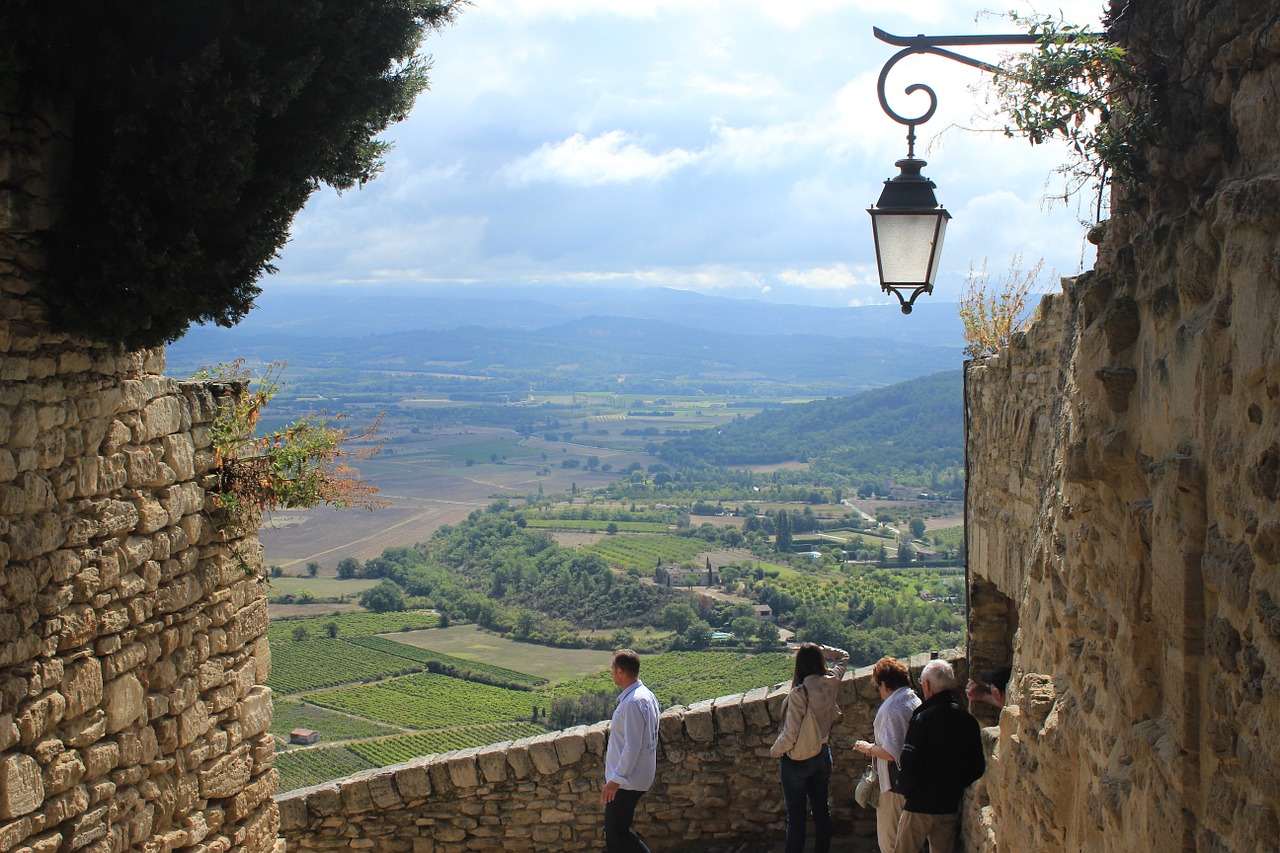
(716, 784)
(1124, 524)
(132, 640)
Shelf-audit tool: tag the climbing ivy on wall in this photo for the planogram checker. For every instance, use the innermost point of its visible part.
(199, 129)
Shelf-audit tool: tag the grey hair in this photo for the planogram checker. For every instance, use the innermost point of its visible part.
(940, 675)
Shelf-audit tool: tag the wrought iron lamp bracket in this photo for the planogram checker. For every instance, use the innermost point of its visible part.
(922, 44)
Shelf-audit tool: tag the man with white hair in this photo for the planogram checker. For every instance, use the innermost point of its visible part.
(941, 756)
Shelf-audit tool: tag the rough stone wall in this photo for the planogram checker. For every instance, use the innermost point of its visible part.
(1124, 479)
(716, 784)
(131, 638)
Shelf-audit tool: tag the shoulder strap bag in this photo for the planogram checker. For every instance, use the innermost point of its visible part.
(809, 741)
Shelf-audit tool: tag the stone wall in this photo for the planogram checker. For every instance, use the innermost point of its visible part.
(716, 784)
(131, 637)
(1124, 479)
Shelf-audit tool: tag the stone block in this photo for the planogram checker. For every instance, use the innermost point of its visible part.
(88, 828)
(100, 758)
(65, 805)
(293, 814)
(90, 728)
(542, 752)
(325, 801)
(64, 771)
(252, 796)
(463, 772)
(256, 711)
(441, 784)
(225, 776)
(356, 798)
(492, 761)
(37, 718)
(152, 515)
(21, 786)
(192, 723)
(727, 713)
(413, 782)
(82, 686)
(570, 747)
(179, 455)
(755, 711)
(383, 791)
(8, 732)
(595, 737)
(699, 724)
(161, 417)
(671, 726)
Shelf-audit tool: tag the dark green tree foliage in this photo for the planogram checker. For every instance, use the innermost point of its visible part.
(383, 598)
(585, 709)
(908, 427)
(782, 526)
(200, 129)
(511, 565)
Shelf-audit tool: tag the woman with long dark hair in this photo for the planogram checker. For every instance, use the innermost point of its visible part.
(806, 773)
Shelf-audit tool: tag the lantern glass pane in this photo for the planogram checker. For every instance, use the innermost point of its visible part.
(937, 250)
(905, 244)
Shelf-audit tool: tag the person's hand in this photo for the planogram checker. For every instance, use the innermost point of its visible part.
(609, 791)
(864, 747)
(976, 692)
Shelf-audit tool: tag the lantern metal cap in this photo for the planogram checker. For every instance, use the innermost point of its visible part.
(909, 190)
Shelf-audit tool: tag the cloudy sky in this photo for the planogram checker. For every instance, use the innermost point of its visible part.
(725, 146)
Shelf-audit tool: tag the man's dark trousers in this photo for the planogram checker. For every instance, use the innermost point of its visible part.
(618, 837)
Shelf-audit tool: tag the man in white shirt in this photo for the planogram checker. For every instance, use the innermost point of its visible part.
(898, 701)
(631, 759)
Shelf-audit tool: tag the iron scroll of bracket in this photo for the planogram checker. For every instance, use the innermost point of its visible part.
(923, 44)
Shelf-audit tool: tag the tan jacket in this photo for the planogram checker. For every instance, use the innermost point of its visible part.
(821, 691)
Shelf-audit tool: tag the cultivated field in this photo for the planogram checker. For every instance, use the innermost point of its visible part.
(320, 587)
(470, 643)
(374, 704)
(429, 482)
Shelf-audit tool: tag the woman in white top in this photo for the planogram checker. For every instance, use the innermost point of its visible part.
(806, 779)
(898, 701)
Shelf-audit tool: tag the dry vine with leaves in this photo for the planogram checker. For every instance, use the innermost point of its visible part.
(306, 464)
(1080, 87)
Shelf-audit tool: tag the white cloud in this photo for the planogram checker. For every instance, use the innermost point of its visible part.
(838, 277)
(610, 158)
(712, 145)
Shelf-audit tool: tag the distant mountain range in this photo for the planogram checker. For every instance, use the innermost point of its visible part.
(372, 309)
(566, 338)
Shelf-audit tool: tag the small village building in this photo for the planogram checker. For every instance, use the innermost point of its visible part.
(674, 577)
(304, 736)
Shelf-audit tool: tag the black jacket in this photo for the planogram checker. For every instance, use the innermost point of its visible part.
(941, 756)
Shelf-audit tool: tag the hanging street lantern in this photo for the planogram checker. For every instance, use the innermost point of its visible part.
(907, 222)
(908, 225)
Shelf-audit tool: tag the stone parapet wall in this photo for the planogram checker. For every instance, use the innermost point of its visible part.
(1123, 491)
(716, 784)
(132, 640)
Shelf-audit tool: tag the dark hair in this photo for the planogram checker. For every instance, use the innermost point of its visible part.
(809, 661)
(891, 672)
(997, 677)
(627, 661)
